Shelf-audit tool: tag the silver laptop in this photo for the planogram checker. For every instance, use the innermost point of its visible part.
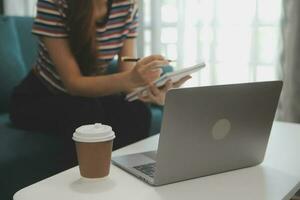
(208, 130)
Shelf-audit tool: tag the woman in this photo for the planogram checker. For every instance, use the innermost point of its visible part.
(68, 85)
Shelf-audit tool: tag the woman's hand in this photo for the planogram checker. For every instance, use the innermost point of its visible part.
(146, 71)
(158, 95)
(181, 81)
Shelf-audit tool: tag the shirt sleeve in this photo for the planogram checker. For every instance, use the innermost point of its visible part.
(133, 27)
(50, 20)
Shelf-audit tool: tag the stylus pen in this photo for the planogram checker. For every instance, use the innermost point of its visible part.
(131, 59)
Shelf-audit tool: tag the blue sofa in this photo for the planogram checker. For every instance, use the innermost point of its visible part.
(27, 157)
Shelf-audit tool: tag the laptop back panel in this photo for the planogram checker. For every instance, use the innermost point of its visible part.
(213, 129)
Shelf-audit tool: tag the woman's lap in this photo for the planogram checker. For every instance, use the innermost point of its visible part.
(62, 114)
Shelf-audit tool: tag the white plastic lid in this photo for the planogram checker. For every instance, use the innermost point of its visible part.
(94, 133)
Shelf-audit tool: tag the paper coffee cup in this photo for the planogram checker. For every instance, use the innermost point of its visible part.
(94, 144)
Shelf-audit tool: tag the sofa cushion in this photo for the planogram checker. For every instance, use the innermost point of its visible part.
(27, 157)
(156, 117)
(27, 41)
(4, 119)
(12, 68)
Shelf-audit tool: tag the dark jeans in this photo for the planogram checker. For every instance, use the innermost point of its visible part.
(34, 107)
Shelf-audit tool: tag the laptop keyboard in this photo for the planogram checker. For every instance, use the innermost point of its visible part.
(147, 169)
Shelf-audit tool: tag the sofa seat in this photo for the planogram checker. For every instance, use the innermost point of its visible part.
(4, 119)
(26, 157)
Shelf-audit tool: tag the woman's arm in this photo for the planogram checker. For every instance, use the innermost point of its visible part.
(79, 85)
(128, 50)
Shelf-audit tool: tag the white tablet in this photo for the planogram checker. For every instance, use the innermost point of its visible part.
(173, 76)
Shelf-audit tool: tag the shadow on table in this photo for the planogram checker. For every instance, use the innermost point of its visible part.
(93, 186)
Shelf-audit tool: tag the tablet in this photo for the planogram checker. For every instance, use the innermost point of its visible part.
(173, 76)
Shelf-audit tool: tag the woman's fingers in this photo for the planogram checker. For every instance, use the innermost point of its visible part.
(149, 59)
(158, 95)
(154, 90)
(152, 62)
(151, 76)
(149, 98)
(181, 81)
(148, 69)
(152, 94)
(144, 98)
(167, 86)
(156, 64)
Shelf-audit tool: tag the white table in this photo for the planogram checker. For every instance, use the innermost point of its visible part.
(276, 178)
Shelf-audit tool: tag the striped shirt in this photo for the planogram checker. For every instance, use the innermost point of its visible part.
(50, 21)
